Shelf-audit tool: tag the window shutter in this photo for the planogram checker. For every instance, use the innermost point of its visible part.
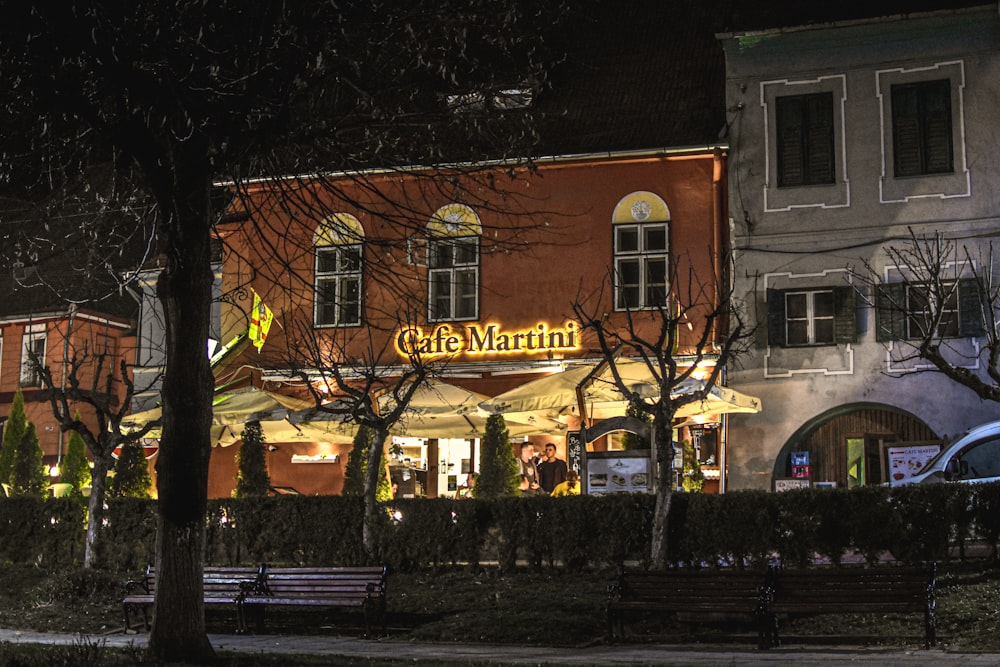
(937, 127)
(776, 317)
(972, 306)
(820, 148)
(890, 313)
(791, 148)
(845, 326)
(905, 131)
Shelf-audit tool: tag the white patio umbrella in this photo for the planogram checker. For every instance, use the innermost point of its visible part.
(556, 394)
(438, 410)
(230, 410)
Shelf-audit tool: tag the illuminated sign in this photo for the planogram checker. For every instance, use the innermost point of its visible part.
(452, 339)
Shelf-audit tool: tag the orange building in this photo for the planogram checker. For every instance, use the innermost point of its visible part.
(33, 320)
(378, 266)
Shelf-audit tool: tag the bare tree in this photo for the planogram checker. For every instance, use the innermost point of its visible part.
(698, 321)
(367, 389)
(933, 296)
(187, 93)
(108, 395)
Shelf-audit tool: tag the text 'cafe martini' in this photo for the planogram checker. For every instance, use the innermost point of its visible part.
(477, 339)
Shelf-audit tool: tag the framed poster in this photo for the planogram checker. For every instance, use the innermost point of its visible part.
(618, 472)
(788, 483)
(903, 460)
(574, 452)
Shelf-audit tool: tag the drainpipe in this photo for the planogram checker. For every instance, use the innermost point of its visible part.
(722, 283)
(718, 237)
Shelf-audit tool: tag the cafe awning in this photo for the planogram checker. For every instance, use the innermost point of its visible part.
(230, 410)
(557, 394)
(438, 410)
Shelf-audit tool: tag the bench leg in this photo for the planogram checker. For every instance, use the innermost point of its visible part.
(767, 629)
(241, 619)
(930, 628)
(126, 608)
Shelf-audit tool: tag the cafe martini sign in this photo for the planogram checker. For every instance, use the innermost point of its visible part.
(486, 340)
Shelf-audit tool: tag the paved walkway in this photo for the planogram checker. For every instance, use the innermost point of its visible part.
(629, 654)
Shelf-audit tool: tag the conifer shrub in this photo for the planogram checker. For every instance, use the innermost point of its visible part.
(13, 431)
(693, 478)
(74, 469)
(30, 478)
(131, 478)
(252, 478)
(499, 472)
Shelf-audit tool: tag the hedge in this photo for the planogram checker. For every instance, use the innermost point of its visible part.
(739, 528)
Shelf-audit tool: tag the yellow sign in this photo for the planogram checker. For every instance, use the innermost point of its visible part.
(489, 339)
(260, 322)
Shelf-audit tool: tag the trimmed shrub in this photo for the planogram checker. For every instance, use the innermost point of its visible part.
(499, 472)
(252, 478)
(131, 478)
(30, 478)
(75, 470)
(13, 431)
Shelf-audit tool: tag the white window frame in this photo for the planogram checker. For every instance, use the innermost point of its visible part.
(914, 310)
(338, 265)
(33, 334)
(643, 258)
(338, 281)
(958, 183)
(810, 318)
(449, 270)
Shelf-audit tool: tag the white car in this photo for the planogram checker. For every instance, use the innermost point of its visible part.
(970, 458)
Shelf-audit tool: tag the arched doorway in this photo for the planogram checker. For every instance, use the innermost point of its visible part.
(845, 445)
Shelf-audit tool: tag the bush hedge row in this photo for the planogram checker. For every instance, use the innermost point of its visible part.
(915, 523)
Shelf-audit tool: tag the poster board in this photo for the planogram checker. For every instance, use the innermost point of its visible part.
(789, 483)
(903, 460)
(619, 472)
(574, 452)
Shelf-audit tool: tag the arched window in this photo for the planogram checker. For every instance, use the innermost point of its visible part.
(338, 246)
(453, 264)
(641, 224)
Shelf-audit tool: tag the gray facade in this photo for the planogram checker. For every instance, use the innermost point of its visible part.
(820, 187)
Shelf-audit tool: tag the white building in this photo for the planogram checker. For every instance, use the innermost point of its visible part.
(846, 136)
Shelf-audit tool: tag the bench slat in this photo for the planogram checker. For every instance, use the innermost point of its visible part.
(886, 589)
(220, 586)
(334, 587)
(728, 592)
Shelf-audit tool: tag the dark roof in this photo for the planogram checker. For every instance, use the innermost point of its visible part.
(642, 74)
(650, 74)
(51, 258)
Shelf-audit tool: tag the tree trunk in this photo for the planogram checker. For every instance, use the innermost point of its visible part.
(185, 290)
(663, 439)
(95, 505)
(372, 473)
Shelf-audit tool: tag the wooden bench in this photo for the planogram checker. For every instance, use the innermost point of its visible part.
(317, 587)
(222, 586)
(733, 594)
(841, 590)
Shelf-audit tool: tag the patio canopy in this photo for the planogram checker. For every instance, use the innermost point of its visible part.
(439, 410)
(230, 410)
(556, 394)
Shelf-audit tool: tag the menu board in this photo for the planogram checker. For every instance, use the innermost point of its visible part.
(905, 461)
(618, 475)
(574, 452)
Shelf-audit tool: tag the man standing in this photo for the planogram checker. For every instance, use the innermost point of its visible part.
(551, 471)
(529, 473)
